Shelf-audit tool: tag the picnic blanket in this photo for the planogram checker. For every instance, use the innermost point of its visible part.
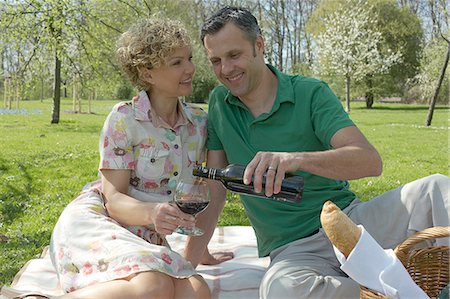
(234, 279)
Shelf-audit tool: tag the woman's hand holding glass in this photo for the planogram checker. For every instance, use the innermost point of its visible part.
(167, 217)
(191, 197)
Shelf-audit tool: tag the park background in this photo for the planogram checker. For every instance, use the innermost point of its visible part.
(385, 59)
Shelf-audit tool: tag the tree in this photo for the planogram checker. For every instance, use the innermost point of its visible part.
(401, 32)
(18, 46)
(302, 54)
(440, 15)
(350, 47)
(46, 27)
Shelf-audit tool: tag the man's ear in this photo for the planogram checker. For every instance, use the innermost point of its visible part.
(146, 74)
(259, 43)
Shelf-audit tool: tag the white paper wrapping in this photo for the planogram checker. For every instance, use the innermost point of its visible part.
(378, 269)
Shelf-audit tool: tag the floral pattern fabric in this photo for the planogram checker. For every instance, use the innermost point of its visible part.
(87, 245)
(158, 156)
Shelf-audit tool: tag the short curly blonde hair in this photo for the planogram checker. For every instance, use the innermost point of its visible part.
(148, 44)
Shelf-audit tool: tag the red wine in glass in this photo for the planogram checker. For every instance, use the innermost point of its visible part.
(192, 197)
(192, 208)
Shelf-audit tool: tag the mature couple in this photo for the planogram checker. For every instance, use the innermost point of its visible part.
(109, 242)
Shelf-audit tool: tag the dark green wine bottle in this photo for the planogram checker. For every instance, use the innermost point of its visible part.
(232, 179)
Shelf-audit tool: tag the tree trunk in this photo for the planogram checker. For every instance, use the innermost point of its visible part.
(438, 87)
(347, 93)
(369, 99)
(65, 88)
(42, 89)
(6, 92)
(74, 95)
(91, 95)
(56, 90)
(17, 94)
(369, 93)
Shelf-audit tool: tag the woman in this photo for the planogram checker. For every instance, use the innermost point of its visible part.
(109, 242)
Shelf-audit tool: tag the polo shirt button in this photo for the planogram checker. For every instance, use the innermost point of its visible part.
(169, 192)
(152, 160)
(175, 173)
(176, 146)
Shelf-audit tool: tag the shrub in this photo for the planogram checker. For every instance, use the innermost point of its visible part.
(124, 92)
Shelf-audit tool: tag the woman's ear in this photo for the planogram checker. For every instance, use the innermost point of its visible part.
(146, 74)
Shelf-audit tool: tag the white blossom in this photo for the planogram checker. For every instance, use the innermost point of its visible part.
(349, 46)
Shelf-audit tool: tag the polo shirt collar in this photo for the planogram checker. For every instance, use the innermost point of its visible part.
(285, 90)
(142, 109)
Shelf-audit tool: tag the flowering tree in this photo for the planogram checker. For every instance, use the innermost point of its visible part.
(349, 46)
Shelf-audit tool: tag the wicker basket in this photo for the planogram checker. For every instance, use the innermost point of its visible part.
(428, 267)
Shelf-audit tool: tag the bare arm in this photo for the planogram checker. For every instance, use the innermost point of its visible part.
(352, 157)
(130, 211)
(207, 220)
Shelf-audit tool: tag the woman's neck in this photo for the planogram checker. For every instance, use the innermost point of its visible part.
(166, 108)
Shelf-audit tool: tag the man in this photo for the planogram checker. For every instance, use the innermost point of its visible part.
(278, 123)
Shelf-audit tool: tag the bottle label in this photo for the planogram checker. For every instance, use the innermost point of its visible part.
(212, 173)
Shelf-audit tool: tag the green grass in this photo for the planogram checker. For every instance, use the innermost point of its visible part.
(44, 166)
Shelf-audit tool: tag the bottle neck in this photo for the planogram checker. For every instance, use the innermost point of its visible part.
(231, 172)
(214, 173)
(209, 173)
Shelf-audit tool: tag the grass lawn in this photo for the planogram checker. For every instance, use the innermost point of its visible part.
(44, 166)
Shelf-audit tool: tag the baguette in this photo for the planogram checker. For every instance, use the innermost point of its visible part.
(341, 230)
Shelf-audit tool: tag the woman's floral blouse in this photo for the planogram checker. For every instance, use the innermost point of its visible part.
(158, 156)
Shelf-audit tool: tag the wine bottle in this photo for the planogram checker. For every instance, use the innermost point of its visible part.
(232, 177)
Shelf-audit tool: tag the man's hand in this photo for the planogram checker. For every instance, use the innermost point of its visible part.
(272, 165)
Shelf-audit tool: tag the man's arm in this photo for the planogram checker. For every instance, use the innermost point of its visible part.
(352, 157)
(207, 220)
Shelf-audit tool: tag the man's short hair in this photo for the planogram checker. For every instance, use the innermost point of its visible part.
(241, 17)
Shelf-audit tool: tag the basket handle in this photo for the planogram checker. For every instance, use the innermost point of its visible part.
(430, 233)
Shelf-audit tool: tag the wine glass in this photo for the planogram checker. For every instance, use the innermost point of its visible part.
(192, 197)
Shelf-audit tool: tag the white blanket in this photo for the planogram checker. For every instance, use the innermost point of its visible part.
(234, 279)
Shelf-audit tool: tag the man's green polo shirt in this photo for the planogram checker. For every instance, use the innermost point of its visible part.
(305, 116)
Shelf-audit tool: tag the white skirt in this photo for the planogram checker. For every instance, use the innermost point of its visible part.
(88, 247)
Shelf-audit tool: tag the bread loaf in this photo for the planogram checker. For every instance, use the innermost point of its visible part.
(342, 232)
